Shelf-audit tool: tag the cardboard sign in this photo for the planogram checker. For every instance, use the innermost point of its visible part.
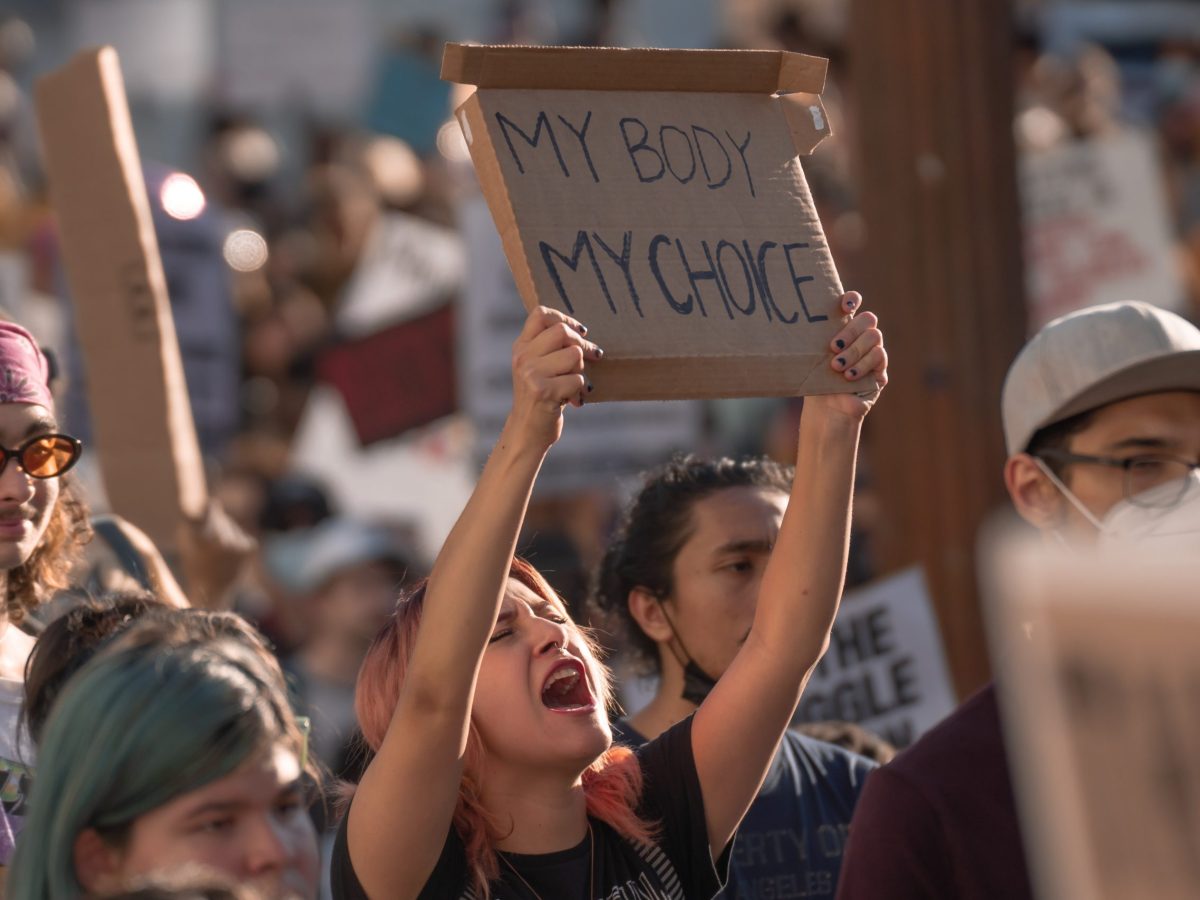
(656, 195)
(1099, 684)
(145, 437)
(601, 443)
(1097, 227)
(885, 668)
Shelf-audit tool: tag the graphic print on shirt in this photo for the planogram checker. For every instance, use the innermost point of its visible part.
(15, 781)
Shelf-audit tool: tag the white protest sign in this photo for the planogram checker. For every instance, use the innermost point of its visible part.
(600, 443)
(1097, 227)
(885, 668)
(407, 266)
(424, 476)
(1099, 680)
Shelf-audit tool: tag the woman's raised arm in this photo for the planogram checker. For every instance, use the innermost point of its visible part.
(739, 725)
(402, 811)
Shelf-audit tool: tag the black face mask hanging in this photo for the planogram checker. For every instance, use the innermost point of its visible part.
(697, 684)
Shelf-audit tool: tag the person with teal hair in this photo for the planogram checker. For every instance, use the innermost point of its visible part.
(169, 752)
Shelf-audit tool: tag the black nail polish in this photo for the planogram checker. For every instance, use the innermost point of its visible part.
(599, 353)
(841, 345)
(591, 387)
(841, 360)
(582, 328)
(854, 373)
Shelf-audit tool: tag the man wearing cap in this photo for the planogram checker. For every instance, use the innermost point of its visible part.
(41, 526)
(1101, 415)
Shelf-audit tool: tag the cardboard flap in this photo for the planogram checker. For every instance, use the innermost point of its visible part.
(618, 69)
(806, 119)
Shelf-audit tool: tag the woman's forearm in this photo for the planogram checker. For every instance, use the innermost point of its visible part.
(802, 585)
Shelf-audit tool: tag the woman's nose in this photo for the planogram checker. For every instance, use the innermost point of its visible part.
(550, 636)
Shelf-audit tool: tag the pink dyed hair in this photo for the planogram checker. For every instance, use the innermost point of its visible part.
(612, 784)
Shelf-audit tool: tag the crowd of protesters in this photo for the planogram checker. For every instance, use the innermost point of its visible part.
(148, 745)
(324, 706)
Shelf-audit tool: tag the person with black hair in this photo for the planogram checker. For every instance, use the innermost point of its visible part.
(678, 587)
(68, 644)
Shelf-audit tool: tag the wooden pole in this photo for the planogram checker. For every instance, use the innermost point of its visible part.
(933, 88)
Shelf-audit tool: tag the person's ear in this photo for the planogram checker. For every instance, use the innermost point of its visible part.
(97, 863)
(1036, 498)
(646, 609)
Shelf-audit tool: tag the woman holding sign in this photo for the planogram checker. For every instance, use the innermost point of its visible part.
(494, 774)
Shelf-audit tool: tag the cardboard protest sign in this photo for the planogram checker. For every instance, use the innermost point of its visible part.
(1097, 227)
(601, 443)
(145, 436)
(1099, 684)
(885, 668)
(656, 195)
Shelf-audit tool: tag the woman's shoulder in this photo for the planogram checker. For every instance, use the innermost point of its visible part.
(448, 878)
(671, 744)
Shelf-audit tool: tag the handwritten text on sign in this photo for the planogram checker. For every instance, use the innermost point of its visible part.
(677, 210)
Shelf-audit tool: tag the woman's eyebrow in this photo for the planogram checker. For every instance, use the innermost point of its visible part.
(215, 807)
(543, 606)
(41, 425)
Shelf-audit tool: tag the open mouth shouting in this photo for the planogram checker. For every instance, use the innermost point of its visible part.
(566, 688)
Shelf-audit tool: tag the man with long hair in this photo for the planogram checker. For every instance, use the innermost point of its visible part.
(42, 525)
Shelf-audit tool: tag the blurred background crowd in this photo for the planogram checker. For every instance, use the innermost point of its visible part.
(327, 248)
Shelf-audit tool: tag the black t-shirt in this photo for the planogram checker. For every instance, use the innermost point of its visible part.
(791, 840)
(678, 866)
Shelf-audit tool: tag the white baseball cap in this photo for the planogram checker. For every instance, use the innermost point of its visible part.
(1093, 357)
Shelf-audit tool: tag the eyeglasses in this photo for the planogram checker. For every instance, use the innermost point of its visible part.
(44, 456)
(1142, 473)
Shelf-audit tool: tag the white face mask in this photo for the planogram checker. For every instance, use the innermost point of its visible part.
(1175, 528)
